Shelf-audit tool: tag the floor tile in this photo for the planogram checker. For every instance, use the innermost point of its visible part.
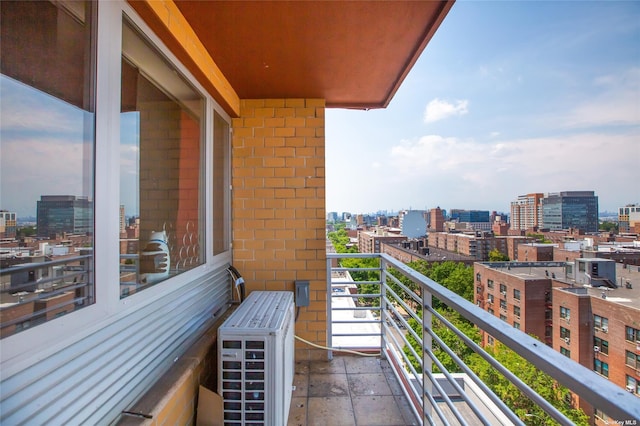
(357, 364)
(301, 384)
(328, 385)
(336, 365)
(330, 411)
(368, 384)
(377, 411)
(298, 412)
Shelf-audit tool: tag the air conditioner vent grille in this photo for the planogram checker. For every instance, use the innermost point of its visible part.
(256, 360)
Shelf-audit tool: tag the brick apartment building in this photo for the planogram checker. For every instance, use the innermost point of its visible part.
(598, 327)
(369, 241)
(477, 244)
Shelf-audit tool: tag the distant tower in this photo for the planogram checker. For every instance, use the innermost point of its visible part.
(526, 211)
(59, 214)
(570, 209)
(436, 223)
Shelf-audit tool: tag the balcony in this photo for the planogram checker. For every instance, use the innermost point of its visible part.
(378, 322)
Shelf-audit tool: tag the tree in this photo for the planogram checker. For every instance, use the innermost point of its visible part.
(540, 382)
(609, 227)
(496, 256)
(26, 231)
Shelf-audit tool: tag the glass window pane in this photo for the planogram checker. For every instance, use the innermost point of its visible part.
(220, 207)
(47, 159)
(161, 168)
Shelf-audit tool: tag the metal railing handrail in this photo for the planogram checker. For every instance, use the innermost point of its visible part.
(596, 390)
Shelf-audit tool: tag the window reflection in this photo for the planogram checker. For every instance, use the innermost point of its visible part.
(161, 168)
(46, 163)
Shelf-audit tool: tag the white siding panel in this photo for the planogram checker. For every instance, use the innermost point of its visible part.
(92, 381)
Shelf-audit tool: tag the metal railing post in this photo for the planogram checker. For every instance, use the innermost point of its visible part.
(427, 363)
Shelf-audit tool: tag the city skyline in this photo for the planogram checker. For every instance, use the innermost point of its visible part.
(508, 98)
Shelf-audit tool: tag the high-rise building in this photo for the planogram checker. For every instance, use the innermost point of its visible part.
(64, 213)
(8, 224)
(570, 209)
(436, 220)
(526, 211)
(628, 217)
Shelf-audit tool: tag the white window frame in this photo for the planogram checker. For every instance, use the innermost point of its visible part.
(27, 347)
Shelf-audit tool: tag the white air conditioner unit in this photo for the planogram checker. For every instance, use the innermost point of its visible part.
(631, 388)
(605, 329)
(596, 348)
(567, 340)
(256, 360)
(504, 293)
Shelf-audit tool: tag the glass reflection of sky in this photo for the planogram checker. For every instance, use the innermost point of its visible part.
(46, 147)
(129, 161)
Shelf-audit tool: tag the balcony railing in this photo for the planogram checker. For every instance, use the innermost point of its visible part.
(33, 293)
(373, 315)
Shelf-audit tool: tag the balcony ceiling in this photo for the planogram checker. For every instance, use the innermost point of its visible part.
(354, 54)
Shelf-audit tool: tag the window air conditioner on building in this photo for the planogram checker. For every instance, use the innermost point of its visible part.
(567, 340)
(256, 360)
(596, 348)
(631, 388)
(605, 329)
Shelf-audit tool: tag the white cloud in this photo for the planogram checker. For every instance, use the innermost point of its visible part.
(437, 109)
(617, 103)
(465, 171)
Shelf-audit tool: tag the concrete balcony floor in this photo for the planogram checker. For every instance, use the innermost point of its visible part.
(348, 391)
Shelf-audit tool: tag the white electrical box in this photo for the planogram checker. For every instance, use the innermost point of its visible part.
(256, 360)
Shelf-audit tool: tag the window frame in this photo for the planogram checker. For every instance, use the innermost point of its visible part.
(40, 341)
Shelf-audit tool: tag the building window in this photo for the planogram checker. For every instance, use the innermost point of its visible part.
(490, 298)
(516, 325)
(478, 277)
(503, 289)
(516, 311)
(565, 313)
(565, 333)
(503, 317)
(490, 310)
(632, 385)
(601, 345)
(503, 304)
(516, 294)
(161, 167)
(601, 367)
(566, 352)
(600, 323)
(490, 283)
(632, 360)
(632, 334)
(47, 86)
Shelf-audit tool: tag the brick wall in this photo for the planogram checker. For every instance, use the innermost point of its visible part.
(278, 205)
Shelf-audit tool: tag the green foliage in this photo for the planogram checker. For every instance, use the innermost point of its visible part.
(496, 256)
(540, 238)
(26, 231)
(609, 227)
(542, 383)
(340, 240)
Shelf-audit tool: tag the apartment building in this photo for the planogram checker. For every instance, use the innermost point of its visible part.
(370, 241)
(570, 209)
(477, 244)
(594, 323)
(629, 218)
(526, 211)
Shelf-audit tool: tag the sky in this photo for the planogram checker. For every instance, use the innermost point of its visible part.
(508, 98)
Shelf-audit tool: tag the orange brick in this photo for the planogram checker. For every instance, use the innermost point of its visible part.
(292, 102)
(285, 132)
(274, 103)
(318, 103)
(274, 122)
(305, 112)
(264, 112)
(264, 132)
(285, 112)
(305, 131)
(274, 141)
(252, 103)
(295, 122)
